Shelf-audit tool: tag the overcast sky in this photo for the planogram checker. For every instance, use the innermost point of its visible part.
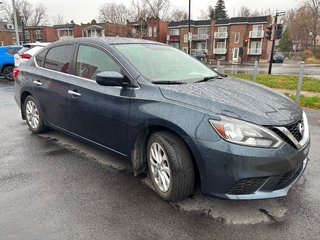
(85, 11)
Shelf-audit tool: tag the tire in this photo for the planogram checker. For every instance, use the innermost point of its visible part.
(8, 73)
(33, 116)
(169, 158)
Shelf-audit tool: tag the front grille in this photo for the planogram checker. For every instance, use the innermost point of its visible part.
(289, 177)
(294, 130)
(247, 185)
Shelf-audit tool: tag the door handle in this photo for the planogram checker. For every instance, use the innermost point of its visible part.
(38, 83)
(74, 93)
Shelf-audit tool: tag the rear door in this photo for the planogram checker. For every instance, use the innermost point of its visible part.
(98, 113)
(51, 83)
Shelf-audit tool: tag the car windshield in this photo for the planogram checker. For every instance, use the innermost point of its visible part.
(163, 63)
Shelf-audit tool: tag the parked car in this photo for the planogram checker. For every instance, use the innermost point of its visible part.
(28, 50)
(163, 110)
(200, 55)
(278, 58)
(7, 61)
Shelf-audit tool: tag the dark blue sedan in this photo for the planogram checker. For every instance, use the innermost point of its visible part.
(167, 112)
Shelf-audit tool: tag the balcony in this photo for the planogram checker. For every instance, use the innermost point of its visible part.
(256, 34)
(221, 35)
(254, 51)
(219, 51)
(174, 38)
(200, 37)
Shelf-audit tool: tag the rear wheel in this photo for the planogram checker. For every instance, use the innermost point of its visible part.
(170, 166)
(8, 73)
(33, 116)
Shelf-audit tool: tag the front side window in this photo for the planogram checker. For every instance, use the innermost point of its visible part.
(174, 31)
(91, 61)
(59, 58)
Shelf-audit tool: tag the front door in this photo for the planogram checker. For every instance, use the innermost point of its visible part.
(99, 113)
(235, 55)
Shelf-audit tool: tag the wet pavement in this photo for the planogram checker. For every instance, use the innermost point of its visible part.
(55, 187)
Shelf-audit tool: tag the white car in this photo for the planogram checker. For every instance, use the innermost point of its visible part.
(28, 50)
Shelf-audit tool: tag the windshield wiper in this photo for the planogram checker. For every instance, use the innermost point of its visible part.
(168, 82)
(205, 79)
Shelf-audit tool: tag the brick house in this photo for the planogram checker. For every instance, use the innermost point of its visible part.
(242, 34)
(152, 29)
(95, 29)
(69, 30)
(40, 34)
(7, 34)
(201, 35)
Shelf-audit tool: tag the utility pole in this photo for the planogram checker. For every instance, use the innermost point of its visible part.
(274, 39)
(15, 22)
(189, 28)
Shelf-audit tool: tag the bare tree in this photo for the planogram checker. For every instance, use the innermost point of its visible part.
(114, 12)
(299, 26)
(178, 14)
(204, 15)
(40, 16)
(313, 7)
(158, 8)
(139, 10)
(58, 19)
(26, 11)
(244, 12)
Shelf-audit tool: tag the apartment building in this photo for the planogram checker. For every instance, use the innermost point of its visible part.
(39, 34)
(7, 34)
(152, 29)
(241, 39)
(69, 30)
(201, 35)
(95, 29)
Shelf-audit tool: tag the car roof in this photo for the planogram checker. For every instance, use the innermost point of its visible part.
(11, 46)
(107, 40)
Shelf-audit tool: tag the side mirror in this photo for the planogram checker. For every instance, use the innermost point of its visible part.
(110, 78)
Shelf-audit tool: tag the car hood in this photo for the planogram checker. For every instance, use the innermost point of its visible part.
(236, 98)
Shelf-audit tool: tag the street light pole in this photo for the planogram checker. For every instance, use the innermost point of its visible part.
(15, 22)
(189, 28)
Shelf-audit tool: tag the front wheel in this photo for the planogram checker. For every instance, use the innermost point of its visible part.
(170, 166)
(33, 115)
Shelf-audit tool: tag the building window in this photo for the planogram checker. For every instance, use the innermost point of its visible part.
(185, 38)
(255, 45)
(150, 32)
(222, 29)
(185, 49)
(221, 45)
(38, 34)
(154, 31)
(134, 31)
(174, 31)
(257, 28)
(26, 35)
(203, 30)
(237, 37)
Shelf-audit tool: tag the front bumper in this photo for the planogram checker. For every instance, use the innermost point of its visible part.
(243, 173)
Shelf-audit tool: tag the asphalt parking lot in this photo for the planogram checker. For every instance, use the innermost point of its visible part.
(55, 187)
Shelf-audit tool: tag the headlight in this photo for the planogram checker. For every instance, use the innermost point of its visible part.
(244, 133)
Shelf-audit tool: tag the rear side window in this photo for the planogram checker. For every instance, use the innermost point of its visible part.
(91, 61)
(40, 58)
(59, 58)
(12, 51)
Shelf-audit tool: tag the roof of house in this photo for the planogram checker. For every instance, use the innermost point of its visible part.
(236, 20)
(192, 23)
(68, 25)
